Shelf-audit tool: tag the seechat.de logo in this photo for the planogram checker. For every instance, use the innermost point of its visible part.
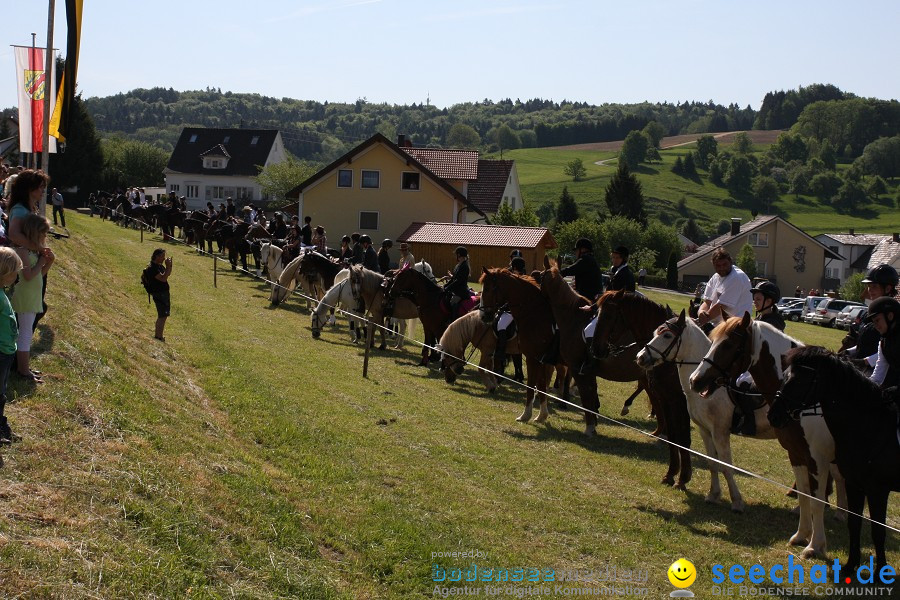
(682, 574)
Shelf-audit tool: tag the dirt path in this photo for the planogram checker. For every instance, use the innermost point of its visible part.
(757, 137)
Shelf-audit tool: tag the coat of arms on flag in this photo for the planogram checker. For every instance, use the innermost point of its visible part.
(34, 84)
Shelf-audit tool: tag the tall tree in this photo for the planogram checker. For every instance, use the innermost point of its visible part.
(463, 136)
(81, 165)
(765, 191)
(672, 271)
(693, 232)
(882, 157)
(746, 260)
(129, 162)
(707, 149)
(740, 174)
(575, 169)
(678, 167)
(280, 178)
(655, 133)
(690, 169)
(742, 143)
(567, 209)
(634, 149)
(624, 195)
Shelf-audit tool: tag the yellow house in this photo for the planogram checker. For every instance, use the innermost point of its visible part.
(379, 189)
(785, 255)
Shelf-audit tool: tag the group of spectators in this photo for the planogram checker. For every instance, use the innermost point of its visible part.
(25, 259)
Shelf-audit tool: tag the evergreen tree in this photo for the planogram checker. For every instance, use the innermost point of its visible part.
(567, 209)
(678, 167)
(624, 195)
(81, 164)
(693, 232)
(690, 169)
(746, 260)
(672, 272)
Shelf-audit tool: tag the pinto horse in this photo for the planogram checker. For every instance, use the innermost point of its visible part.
(429, 298)
(627, 317)
(681, 342)
(312, 270)
(521, 296)
(741, 344)
(864, 427)
(471, 329)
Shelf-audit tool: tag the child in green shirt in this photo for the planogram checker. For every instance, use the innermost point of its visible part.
(10, 265)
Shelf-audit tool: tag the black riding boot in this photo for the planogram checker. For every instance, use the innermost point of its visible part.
(747, 406)
(517, 364)
(588, 363)
(500, 352)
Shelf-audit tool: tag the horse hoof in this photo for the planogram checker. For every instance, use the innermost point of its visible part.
(382, 347)
(681, 485)
(492, 390)
(624, 411)
(811, 553)
(712, 498)
(797, 540)
(738, 508)
(668, 480)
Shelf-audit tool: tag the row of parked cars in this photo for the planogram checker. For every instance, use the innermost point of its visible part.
(821, 310)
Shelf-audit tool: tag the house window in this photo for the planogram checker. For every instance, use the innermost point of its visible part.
(193, 138)
(345, 178)
(833, 272)
(174, 187)
(410, 181)
(192, 190)
(243, 193)
(215, 192)
(368, 220)
(255, 140)
(758, 239)
(371, 179)
(761, 269)
(216, 163)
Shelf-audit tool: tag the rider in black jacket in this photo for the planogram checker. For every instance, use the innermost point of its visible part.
(588, 278)
(621, 277)
(880, 281)
(765, 296)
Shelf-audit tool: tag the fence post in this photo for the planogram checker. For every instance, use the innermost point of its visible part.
(370, 337)
(142, 233)
(215, 271)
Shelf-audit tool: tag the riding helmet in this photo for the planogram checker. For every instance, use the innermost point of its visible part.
(621, 251)
(387, 243)
(883, 274)
(515, 253)
(883, 306)
(364, 239)
(584, 243)
(768, 290)
(461, 251)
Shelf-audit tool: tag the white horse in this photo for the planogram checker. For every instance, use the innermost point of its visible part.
(681, 341)
(270, 255)
(742, 343)
(366, 285)
(312, 271)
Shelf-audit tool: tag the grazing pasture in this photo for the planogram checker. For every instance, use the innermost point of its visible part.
(244, 458)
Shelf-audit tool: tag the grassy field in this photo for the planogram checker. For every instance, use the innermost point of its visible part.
(244, 459)
(542, 179)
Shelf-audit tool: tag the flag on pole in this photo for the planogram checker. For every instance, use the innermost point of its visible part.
(59, 121)
(31, 82)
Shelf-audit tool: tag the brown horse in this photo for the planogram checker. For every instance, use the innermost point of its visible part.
(428, 297)
(741, 344)
(521, 296)
(314, 271)
(626, 317)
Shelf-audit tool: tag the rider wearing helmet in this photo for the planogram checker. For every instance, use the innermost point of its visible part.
(621, 277)
(880, 281)
(384, 259)
(884, 314)
(457, 285)
(505, 327)
(765, 296)
(370, 259)
(588, 279)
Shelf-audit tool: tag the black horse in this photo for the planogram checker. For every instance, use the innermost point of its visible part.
(864, 426)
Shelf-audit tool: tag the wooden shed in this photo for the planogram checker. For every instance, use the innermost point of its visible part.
(488, 245)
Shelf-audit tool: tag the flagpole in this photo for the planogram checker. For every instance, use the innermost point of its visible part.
(48, 90)
(33, 158)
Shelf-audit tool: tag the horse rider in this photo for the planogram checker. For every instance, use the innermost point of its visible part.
(278, 229)
(291, 248)
(346, 256)
(881, 281)
(727, 292)
(504, 325)
(621, 277)
(407, 260)
(884, 314)
(588, 278)
(765, 297)
(384, 258)
(457, 286)
(370, 258)
(357, 249)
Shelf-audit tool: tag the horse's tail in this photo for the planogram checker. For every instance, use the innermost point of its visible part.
(460, 333)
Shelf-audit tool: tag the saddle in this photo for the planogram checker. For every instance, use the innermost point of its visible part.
(453, 311)
(511, 330)
(747, 399)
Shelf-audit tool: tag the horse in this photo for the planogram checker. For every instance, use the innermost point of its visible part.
(270, 256)
(571, 320)
(521, 296)
(429, 298)
(740, 344)
(681, 341)
(864, 426)
(471, 329)
(314, 271)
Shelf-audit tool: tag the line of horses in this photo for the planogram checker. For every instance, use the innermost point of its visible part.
(686, 374)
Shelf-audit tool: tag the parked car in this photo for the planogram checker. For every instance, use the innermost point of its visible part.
(792, 311)
(850, 315)
(828, 309)
(787, 301)
(809, 307)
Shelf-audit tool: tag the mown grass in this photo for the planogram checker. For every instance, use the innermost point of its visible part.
(542, 180)
(242, 458)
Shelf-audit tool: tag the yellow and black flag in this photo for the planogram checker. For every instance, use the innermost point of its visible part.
(59, 121)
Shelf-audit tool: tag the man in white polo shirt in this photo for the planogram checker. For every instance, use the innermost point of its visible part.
(727, 293)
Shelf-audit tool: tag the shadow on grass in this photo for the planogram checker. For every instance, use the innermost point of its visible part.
(45, 341)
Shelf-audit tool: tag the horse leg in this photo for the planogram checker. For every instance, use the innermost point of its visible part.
(804, 527)
(545, 374)
(856, 501)
(486, 363)
(715, 489)
(840, 486)
(722, 442)
(587, 388)
(429, 341)
(401, 334)
(533, 377)
(878, 500)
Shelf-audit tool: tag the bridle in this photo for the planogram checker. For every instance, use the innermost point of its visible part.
(807, 406)
(675, 344)
(615, 349)
(725, 374)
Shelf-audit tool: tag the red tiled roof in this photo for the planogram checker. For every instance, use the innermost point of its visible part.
(447, 164)
(486, 192)
(467, 234)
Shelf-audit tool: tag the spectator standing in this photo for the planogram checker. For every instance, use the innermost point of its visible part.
(406, 257)
(306, 231)
(346, 256)
(160, 268)
(10, 265)
(370, 259)
(27, 300)
(641, 275)
(57, 199)
(384, 258)
(230, 208)
(357, 249)
(320, 241)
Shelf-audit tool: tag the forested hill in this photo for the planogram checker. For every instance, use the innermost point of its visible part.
(321, 130)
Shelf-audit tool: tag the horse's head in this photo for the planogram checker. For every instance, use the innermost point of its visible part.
(728, 357)
(665, 343)
(404, 285)
(800, 389)
(493, 294)
(425, 269)
(611, 323)
(451, 366)
(316, 323)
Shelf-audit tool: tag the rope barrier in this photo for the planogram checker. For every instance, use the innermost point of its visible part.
(549, 395)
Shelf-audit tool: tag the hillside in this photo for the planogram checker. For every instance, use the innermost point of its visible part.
(244, 459)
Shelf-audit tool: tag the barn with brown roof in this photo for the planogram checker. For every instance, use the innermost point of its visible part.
(488, 245)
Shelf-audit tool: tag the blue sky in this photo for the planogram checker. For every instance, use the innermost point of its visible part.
(463, 50)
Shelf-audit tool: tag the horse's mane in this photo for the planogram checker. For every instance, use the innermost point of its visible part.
(839, 377)
(505, 273)
(430, 284)
(286, 279)
(634, 303)
(372, 278)
(459, 334)
(725, 328)
(565, 293)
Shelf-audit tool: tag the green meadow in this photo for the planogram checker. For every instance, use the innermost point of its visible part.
(244, 459)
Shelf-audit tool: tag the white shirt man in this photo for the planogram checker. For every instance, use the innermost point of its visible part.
(728, 291)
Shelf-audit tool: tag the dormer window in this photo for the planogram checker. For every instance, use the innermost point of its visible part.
(193, 138)
(216, 162)
(254, 141)
(227, 137)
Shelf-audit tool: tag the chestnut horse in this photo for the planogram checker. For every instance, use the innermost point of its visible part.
(741, 344)
(521, 296)
(864, 427)
(632, 319)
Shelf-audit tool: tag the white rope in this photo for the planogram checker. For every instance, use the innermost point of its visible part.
(697, 453)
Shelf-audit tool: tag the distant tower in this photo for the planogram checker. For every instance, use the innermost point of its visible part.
(428, 99)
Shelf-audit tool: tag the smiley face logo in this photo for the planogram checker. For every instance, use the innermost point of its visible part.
(682, 573)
